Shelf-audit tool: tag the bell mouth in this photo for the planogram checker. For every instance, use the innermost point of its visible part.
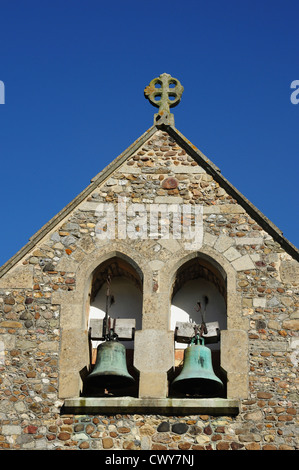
(109, 381)
(198, 387)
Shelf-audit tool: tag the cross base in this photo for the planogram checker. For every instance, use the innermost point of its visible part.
(166, 119)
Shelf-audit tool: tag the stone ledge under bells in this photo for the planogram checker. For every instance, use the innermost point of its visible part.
(166, 406)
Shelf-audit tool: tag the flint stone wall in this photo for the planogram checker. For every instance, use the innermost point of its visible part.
(44, 319)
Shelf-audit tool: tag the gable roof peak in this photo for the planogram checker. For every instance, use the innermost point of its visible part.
(163, 120)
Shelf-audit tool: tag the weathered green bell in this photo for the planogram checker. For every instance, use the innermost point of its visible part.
(110, 370)
(197, 376)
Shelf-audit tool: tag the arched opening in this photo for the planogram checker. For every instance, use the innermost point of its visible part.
(124, 302)
(199, 296)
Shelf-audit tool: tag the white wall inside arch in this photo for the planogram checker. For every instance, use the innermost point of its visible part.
(128, 304)
(184, 304)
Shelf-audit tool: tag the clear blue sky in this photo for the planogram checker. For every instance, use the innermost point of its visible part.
(74, 73)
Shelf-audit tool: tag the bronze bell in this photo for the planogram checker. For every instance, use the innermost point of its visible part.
(110, 370)
(197, 376)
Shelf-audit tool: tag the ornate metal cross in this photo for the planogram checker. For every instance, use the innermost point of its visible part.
(164, 92)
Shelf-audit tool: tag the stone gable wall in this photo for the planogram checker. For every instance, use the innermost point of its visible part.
(41, 332)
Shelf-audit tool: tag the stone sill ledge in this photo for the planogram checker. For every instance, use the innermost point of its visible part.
(166, 406)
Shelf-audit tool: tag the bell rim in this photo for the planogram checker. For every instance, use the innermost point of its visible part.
(199, 387)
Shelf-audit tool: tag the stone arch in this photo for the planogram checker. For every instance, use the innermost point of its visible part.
(74, 314)
(234, 339)
(198, 293)
(209, 257)
(96, 258)
(126, 300)
(126, 286)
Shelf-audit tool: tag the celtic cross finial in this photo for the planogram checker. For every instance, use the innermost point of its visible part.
(164, 92)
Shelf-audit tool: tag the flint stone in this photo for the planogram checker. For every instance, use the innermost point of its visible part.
(170, 183)
(55, 237)
(180, 428)
(163, 427)
(68, 240)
